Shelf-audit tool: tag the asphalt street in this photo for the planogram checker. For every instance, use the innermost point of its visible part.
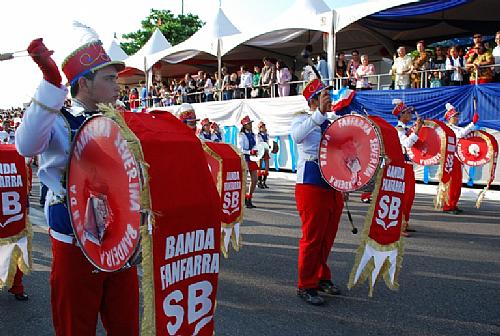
(449, 283)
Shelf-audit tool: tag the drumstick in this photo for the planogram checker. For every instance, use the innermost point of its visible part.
(354, 229)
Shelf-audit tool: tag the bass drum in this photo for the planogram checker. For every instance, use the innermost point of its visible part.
(427, 151)
(476, 149)
(104, 183)
(351, 152)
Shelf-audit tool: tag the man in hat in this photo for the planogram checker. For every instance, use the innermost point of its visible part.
(451, 116)
(407, 138)
(79, 293)
(188, 116)
(262, 136)
(319, 205)
(246, 144)
(205, 134)
(216, 133)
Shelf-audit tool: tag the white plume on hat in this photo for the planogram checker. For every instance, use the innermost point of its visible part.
(186, 107)
(449, 107)
(396, 101)
(87, 34)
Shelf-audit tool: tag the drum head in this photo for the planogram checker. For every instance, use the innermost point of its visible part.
(427, 150)
(104, 188)
(350, 153)
(473, 150)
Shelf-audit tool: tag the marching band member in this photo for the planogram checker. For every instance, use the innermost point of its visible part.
(451, 116)
(262, 136)
(246, 144)
(319, 205)
(407, 138)
(205, 134)
(79, 293)
(188, 116)
(217, 134)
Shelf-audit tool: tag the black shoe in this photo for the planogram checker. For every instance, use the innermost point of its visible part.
(454, 211)
(310, 295)
(249, 204)
(260, 185)
(327, 287)
(366, 200)
(265, 185)
(410, 230)
(21, 297)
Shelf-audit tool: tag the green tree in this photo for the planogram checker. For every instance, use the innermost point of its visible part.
(175, 28)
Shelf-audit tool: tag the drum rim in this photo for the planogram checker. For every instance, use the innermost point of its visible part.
(137, 247)
(381, 157)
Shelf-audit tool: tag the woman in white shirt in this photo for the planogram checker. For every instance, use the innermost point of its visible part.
(364, 70)
(284, 77)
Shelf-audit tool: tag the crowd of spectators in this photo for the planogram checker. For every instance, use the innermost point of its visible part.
(422, 67)
(9, 120)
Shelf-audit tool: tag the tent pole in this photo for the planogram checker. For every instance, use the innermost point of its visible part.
(219, 65)
(332, 50)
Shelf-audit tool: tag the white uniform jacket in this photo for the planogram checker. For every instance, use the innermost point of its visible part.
(460, 132)
(306, 132)
(406, 139)
(45, 131)
(243, 144)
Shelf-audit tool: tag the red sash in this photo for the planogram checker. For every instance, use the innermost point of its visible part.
(226, 166)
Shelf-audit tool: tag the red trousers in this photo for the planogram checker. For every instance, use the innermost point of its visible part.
(79, 295)
(455, 186)
(17, 285)
(320, 210)
(409, 195)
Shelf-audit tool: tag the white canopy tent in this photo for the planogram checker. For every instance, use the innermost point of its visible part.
(304, 23)
(116, 52)
(144, 59)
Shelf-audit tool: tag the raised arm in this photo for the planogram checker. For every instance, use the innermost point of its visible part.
(34, 133)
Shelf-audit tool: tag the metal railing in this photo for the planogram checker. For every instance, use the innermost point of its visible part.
(378, 82)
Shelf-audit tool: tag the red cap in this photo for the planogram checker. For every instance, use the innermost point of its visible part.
(312, 88)
(450, 111)
(400, 107)
(213, 125)
(205, 122)
(246, 120)
(89, 57)
(261, 123)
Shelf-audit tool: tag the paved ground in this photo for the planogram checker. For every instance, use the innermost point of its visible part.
(450, 281)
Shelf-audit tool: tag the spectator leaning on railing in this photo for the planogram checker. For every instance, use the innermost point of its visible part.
(246, 82)
(267, 77)
(364, 69)
(283, 77)
(496, 55)
(455, 67)
(401, 69)
(352, 66)
(477, 65)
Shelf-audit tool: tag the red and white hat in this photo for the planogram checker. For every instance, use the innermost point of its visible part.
(450, 111)
(261, 123)
(246, 120)
(88, 57)
(400, 107)
(205, 122)
(313, 88)
(213, 125)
